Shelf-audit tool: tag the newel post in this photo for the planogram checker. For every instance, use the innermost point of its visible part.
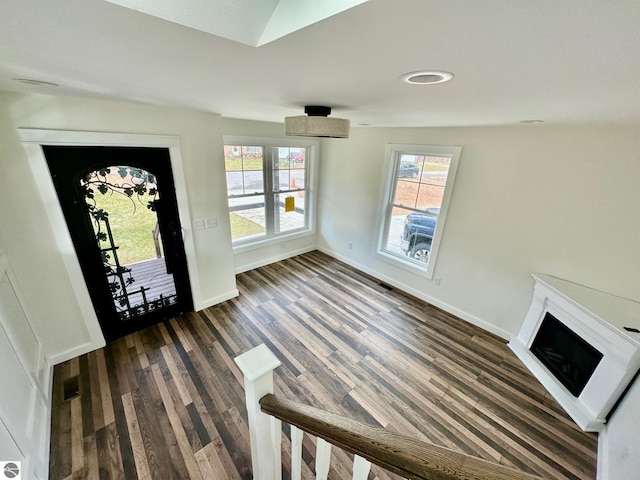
(257, 366)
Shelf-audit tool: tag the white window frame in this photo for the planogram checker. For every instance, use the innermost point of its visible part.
(311, 166)
(393, 153)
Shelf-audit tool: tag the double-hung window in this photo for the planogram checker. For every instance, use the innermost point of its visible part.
(269, 187)
(418, 186)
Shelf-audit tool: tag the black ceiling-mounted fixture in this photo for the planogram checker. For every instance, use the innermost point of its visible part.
(317, 111)
(316, 124)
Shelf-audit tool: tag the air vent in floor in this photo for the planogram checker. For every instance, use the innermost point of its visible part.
(71, 388)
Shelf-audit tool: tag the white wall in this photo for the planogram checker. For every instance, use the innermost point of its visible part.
(562, 201)
(248, 259)
(618, 445)
(26, 237)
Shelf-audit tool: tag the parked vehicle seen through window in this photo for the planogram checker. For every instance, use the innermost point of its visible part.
(408, 170)
(297, 157)
(417, 234)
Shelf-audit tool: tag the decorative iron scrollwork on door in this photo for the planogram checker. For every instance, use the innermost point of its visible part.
(131, 299)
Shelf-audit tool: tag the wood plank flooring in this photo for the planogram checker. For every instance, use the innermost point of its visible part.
(168, 403)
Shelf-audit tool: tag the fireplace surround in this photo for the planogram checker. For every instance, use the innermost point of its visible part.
(574, 340)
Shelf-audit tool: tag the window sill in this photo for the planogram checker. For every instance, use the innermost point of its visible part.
(420, 269)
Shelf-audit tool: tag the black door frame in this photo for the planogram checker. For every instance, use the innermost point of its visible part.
(147, 158)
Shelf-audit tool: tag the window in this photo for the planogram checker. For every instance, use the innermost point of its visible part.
(419, 183)
(268, 188)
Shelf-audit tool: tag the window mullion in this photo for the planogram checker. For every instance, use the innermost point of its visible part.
(267, 171)
(244, 183)
(404, 207)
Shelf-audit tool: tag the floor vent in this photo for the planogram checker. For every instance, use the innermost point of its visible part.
(71, 388)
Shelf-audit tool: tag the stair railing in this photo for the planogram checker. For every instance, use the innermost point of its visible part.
(402, 455)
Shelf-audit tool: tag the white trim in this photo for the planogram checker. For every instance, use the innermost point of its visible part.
(472, 319)
(32, 140)
(63, 240)
(248, 140)
(32, 442)
(387, 189)
(405, 263)
(275, 258)
(74, 352)
(267, 241)
(217, 299)
(602, 464)
(40, 354)
(46, 431)
(72, 137)
(44, 372)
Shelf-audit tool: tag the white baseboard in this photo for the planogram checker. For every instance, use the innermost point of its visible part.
(603, 454)
(273, 259)
(45, 437)
(74, 352)
(466, 316)
(215, 300)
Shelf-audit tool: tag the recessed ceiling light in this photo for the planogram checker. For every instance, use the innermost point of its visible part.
(426, 77)
(531, 121)
(33, 81)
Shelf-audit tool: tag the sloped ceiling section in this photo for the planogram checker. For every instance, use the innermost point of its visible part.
(252, 22)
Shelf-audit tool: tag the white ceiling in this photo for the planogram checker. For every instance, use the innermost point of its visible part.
(563, 61)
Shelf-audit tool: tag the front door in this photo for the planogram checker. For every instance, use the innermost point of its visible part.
(121, 209)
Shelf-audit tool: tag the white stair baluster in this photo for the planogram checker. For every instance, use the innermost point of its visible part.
(276, 444)
(361, 468)
(323, 457)
(257, 366)
(296, 453)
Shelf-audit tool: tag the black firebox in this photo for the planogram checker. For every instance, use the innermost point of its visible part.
(567, 356)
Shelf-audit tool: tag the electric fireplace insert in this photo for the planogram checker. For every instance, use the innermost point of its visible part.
(565, 354)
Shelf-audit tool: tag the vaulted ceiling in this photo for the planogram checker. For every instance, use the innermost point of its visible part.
(569, 61)
(253, 22)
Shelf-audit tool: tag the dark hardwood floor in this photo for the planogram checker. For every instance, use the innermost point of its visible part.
(168, 403)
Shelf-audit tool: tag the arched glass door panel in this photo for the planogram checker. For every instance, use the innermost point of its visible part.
(121, 202)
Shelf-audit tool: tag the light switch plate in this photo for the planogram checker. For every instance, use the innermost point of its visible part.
(198, 224)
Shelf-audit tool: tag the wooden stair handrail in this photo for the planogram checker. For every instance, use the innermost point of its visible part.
(410, 458)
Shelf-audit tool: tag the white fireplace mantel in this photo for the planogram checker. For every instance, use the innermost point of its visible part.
(598, 318)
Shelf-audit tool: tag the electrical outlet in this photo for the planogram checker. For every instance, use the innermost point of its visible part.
(349, 245)
(198, 224)
(436, 280)
(212, 222)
